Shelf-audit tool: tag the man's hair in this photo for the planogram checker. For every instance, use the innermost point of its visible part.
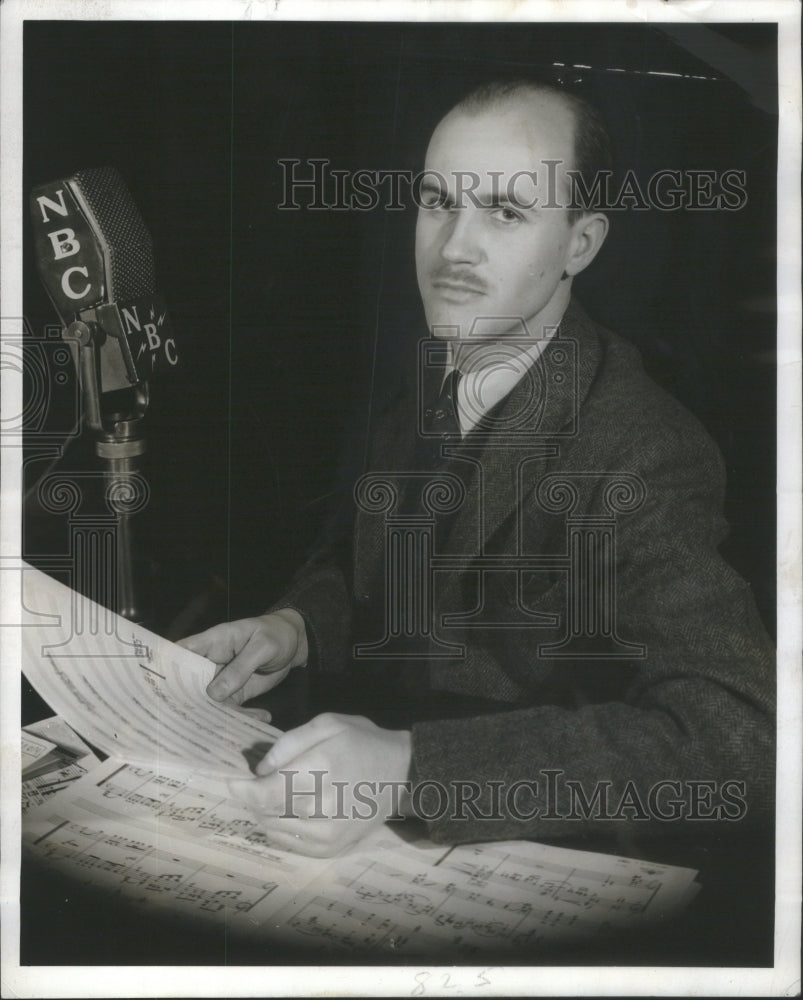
(592, 144)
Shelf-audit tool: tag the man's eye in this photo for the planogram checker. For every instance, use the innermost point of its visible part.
(433, 201)
(507, 215)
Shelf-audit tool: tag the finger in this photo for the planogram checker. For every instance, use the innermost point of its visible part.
(258, 713)
(215, 643)
(257, 652)
(296, 742)
(315, 838)
(259, 683)
(263, 796)
(289, 835)
(278, 835)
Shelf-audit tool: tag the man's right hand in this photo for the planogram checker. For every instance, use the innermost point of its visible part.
(253, 654)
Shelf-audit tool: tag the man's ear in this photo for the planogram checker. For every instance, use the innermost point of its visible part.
(588, 235)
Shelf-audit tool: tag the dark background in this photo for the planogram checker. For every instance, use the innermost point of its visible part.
(288, 321)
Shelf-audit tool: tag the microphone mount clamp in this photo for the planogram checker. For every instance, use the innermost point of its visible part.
(119, 444)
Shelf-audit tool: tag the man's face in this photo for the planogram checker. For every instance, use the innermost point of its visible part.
(485, 258)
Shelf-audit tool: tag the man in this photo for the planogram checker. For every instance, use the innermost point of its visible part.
(579, 589)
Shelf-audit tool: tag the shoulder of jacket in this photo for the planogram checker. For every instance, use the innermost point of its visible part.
(634, 408)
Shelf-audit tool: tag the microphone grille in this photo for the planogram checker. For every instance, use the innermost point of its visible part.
(131, 266)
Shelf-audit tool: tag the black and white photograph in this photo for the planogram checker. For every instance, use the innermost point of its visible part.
(401, 499)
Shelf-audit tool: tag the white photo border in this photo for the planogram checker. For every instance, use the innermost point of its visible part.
(783, 978)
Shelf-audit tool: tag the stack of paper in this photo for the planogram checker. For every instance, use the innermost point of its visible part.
(154, 823)
(50, 764)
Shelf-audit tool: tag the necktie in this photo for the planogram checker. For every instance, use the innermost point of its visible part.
(440, 425)
(441, 422)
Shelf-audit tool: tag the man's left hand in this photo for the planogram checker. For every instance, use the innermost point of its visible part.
(343, 760)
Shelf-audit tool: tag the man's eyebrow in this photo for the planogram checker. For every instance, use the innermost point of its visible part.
(501, 199)
(494, 199)
(432, 187)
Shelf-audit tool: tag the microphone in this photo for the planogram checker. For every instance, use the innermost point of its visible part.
(94, 255)
(95, 258)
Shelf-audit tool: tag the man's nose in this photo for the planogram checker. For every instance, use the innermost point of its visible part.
(461, 241)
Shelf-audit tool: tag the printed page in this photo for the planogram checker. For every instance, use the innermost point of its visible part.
(127, 691)
(600, 891)
(68, 759)
(57, 731)
(34, 749)
(177, 844)
(176, 841)
(150, 868)
(191, 808)
(37, 790)
(486, 897)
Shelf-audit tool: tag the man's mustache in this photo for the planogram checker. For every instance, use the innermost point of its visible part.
(459, 276)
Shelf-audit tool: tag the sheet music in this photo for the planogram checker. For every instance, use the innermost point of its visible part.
(34, 748)
(150, 868)
(506, 896)
(67, 759)
(175, 841)
(58, 732)
(192, 809)
(128, 691)
(154, 823)
(37, 790)
(558, 887)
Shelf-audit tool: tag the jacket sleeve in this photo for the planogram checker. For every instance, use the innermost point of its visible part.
(319, 593)
(322, 591)
(687, 736)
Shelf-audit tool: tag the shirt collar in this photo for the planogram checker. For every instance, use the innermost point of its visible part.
(479, 390)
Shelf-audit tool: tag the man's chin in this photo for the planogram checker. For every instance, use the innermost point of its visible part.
(478, 329)
(453, 324)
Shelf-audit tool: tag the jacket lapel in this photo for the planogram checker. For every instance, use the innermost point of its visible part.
(392, 454)
(526, 429)
(529, 426)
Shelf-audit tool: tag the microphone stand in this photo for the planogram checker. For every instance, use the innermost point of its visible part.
(120, 445)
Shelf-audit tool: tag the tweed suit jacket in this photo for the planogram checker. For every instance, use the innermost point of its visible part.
(601, 474)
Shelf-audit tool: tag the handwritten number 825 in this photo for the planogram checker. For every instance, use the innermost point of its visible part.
(422, 978)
